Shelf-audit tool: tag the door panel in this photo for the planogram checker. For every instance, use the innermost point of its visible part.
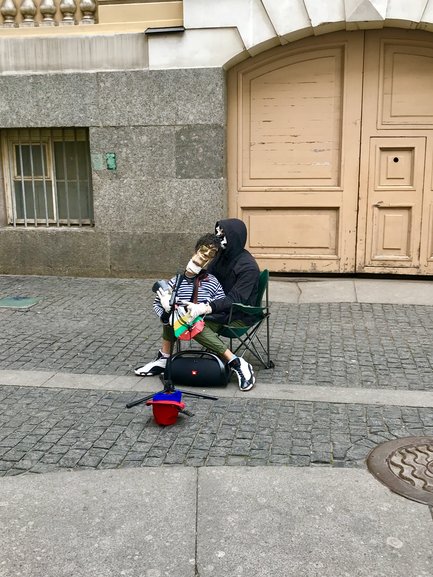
(299, 230)
(406, 83)
(392, 234)
(294, 130)
(396, 177)
(292, 126)
(395, 196)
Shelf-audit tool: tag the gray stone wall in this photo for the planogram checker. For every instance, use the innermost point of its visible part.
(167, 129)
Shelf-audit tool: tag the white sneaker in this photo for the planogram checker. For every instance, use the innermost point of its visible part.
(244, 373)
(155, 367)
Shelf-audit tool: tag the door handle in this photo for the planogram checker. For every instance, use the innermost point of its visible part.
(382, 204)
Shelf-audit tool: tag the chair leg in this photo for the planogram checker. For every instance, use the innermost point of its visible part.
(249, 345)
(270, 364)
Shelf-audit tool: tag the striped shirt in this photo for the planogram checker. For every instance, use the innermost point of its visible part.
(209, 289)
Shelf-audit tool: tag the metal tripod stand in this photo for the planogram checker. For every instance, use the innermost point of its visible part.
(169, 386)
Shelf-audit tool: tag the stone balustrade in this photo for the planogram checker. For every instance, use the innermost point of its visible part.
(32, 13)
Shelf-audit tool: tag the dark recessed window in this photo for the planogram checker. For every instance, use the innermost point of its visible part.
(47, 177)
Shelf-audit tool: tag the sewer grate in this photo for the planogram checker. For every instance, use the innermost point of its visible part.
(18, 302)
(406, 467)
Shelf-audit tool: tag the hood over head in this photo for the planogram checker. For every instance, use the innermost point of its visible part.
(235, 232)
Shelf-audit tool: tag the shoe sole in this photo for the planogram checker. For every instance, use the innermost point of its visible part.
(152, 373)
(247, 389)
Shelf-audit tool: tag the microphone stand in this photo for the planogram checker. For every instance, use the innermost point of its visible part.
(167, 380)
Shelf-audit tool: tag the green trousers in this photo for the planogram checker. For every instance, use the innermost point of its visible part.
(208, 338)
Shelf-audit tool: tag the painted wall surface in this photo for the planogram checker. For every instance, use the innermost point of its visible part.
(244, 28)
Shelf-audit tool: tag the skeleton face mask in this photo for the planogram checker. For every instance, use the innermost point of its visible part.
(220, 234)
(200, 259)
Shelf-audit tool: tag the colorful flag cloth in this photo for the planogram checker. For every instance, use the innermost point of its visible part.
(185, 328)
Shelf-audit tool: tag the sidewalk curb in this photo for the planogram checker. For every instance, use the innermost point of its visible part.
(341, 395)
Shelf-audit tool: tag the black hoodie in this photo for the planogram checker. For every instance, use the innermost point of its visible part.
(236, 269)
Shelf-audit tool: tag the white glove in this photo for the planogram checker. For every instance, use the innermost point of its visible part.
(198, 310)
(164, 299)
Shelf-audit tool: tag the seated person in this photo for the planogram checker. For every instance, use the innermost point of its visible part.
(207, 289)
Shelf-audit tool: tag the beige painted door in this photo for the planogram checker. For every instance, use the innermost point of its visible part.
(319, 194)
(396, 191)
(294, 137)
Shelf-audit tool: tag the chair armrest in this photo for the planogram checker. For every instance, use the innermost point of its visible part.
(247, 309)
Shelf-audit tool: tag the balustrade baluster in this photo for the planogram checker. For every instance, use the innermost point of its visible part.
(88, 9)
(68, 8)
(8, 11)
(48, 10)
(28, 11)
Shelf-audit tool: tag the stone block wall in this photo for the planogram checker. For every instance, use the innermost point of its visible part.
(167, 129)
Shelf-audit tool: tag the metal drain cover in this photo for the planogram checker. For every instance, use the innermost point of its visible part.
(406, 467)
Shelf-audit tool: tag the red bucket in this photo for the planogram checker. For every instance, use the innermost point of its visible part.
(166, 407)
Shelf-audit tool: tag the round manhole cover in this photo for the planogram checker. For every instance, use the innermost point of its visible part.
(406, 467)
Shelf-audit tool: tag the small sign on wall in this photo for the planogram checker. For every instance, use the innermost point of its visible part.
(97, 162)
(101, 163)
(110, 160)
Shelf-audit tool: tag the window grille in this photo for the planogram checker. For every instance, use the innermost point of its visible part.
(47, 177)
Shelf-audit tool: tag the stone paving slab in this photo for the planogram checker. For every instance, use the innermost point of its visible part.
(266, 522)
(132, 523)
(311, 291)
(44, 430)
(282, 522)
(386, 291)
(107, 327)
(342, 289)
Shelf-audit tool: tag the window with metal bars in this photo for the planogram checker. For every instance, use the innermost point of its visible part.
(47, 177)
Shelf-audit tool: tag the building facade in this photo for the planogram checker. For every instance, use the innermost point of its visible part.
(128, 129)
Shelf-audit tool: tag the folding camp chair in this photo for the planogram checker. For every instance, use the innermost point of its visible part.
(247, 336)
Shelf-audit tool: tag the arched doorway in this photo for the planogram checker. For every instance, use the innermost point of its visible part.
(330, 153)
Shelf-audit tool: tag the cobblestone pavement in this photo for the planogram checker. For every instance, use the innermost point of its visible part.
(106, 326)
(44, 430)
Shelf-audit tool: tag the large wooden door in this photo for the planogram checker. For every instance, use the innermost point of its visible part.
(330, 153)
(396, 194)
(294, 136)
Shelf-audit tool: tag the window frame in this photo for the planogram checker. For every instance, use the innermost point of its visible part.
(16, 137)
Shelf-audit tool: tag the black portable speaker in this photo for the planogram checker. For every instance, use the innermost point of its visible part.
(197, 369)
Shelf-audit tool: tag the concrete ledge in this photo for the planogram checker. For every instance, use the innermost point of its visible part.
(261, 390)
(48, 54)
